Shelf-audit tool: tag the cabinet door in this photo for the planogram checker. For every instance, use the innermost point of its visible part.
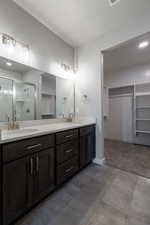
(15, 182)
(45, 173)
(87, 149)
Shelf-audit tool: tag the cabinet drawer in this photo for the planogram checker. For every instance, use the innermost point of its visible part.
(66, 136)
(19, 149)
(67, 170)
(66, 151)
(86, 130)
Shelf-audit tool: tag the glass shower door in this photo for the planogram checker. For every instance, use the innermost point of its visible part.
(6, 99)
(25, 101)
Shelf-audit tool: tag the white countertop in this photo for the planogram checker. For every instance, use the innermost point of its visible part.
(38, 130)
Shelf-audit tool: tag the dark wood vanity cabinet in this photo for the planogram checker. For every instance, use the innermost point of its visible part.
(41, 175)
(87, 145)
(14, 189)
(25, 182)
(67, 155)
(45, 181)
(26, 177)
(32, 168)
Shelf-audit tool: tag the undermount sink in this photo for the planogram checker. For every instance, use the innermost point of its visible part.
(20, 131)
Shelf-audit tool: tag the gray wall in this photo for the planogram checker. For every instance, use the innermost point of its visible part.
(46, 49)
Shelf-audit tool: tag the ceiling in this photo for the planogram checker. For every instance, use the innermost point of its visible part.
(80, 21)
(127, 55)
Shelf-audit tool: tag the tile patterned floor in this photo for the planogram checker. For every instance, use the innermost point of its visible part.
(96, 196)
(129, 157)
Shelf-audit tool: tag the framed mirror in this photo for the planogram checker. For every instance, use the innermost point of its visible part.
(29, 94)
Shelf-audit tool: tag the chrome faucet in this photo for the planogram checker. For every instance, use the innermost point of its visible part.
(15, 123)
(70, 117)
(8, 122)
(62, 115)
(12, 124)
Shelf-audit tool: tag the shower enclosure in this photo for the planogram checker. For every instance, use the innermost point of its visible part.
(17, 100)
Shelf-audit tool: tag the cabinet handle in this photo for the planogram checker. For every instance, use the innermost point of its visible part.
(34, 146)
(68, 170)
(31, 166)
(37, 164)
(69, 150)
(68, 136)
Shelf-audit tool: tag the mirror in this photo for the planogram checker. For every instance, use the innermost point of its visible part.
(30, 94)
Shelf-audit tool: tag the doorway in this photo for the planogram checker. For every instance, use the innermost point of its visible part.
(126, 106)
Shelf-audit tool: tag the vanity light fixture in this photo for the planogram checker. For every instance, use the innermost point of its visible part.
(68, 68)
(143, 44)
(10, 41)
(8, 63)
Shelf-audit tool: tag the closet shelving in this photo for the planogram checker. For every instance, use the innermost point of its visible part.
(143, 94)
(142, 108)
(48, 96)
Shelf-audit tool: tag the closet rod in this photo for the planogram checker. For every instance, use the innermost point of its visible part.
(121, 95)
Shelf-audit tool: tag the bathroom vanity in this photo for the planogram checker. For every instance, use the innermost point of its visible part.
(34, 165)
(47, 150)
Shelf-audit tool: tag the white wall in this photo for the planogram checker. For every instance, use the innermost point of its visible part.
(90, 73)
(88, 83)
(137, 73)
(46, 49)
(64, 97)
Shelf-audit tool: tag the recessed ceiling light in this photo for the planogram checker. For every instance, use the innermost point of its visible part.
(8, 63)
(144, 44)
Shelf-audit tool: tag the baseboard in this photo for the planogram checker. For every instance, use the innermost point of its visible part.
(98, 161)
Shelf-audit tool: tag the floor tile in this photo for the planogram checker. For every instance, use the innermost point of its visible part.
(137, 220)
(96, 196)
(141, 198)
(106, 215)
(119, 194)
(129, 157)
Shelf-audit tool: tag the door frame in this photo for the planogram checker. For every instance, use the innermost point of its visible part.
(102, 52)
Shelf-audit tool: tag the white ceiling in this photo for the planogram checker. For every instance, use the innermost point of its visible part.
(127, 55)
(80, 21)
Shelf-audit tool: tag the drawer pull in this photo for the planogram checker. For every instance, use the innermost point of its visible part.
(68, 170)
(31, 166)
(69, 136)
(69, 150)
(33, 146)
(37, 164)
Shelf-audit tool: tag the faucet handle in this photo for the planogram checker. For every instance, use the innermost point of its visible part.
(15, 116)
(8, 121)
(62, 115)
(70, 117)
(7, 117)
